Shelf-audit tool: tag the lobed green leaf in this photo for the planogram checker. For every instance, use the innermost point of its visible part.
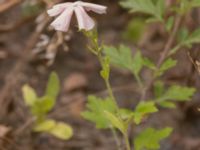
(150, 138)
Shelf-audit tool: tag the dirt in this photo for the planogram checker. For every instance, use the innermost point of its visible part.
(71, 101)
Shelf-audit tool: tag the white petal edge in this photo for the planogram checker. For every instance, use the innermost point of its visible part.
(59, 8)
(62, 22)
(84, 20)
(100, 9)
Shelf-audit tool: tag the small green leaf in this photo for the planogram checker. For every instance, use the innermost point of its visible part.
(53, 86)
(170, 23)
(195, 3)
(183, 34)
(115, 121)
(167, 104)
(158, 88)
(193, 38)
(62, 131)
(142, 109)
(135, 29)
(169, 63)
(42, 106)
(178, 93)
(150, 138)
(105, 72)
(45, 125)
(95, 111)
(137, 63)
(148, 63)
(150, 7)
(29, 95)
(121, 57)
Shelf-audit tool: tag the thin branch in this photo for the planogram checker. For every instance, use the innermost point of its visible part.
(164, 54)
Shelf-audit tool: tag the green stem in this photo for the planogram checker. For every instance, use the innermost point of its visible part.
(108, 86)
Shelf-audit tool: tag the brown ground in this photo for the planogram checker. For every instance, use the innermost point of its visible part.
(78, 71)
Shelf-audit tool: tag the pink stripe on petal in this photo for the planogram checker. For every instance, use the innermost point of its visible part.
(62, 22)
(57, 9)
(84, 21)
(100, 9)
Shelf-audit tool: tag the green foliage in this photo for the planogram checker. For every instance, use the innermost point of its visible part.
(62, 131)
(122, 57)
(195, 3)
(175, 93)
(134, 30)
(53, 86)
(169, 63)
(40, 106)
(193, 38)
(153, 8)
(150, 138)
(58, 129)
(169, 23)
(178, 93)
(95, 111)
(105, 72)
(158, 88)
(29, 95)
(116, 122)
(143, 109)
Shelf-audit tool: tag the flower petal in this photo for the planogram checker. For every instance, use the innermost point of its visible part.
(62, 22)
(84, 21)
(57, 9)
(100, 9)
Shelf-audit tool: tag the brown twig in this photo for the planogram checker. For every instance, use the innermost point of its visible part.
(163, 55)
(14, 76)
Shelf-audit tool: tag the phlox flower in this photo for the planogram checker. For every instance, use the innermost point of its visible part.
(64, 11)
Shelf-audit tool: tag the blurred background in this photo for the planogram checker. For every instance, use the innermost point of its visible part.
(30, 49)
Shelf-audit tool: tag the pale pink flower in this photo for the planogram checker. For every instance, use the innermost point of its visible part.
(66, 10)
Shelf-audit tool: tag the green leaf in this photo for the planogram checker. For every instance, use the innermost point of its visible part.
(178, 93)
(150, 138)
(167, 104)
(195, 3)
(115, 121)
(183, 34)
(169, 63)
(193, 38)
(137, 63)
(158, 88)
(143, 109)
(42, 106)
(53, 86)
(105, 72)
(135, 29)
(121, 57)
(95, 111)
(45, 125)
(148, 63)
(29, 95)
(62, 131)
(155, 10)
(169, 23)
